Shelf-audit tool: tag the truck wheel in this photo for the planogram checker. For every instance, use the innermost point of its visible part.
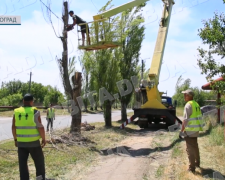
(143, 124)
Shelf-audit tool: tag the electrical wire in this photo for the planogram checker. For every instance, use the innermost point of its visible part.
(55, 16)
(50, 10)
(94, 5)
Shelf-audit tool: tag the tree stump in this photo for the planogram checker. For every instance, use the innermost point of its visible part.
(76, 118)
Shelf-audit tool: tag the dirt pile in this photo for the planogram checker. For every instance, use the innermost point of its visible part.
(70, 139)
(86, 127)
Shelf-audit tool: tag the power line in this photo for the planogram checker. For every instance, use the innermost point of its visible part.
(50, 10)
(94, 5)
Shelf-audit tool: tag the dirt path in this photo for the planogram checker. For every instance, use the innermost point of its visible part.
(128, 163)
(139, 157)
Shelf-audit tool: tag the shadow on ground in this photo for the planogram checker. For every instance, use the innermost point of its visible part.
(210, 174)
(91, 112)
(126, 150)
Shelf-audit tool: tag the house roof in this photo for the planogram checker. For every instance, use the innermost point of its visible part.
(208, 85)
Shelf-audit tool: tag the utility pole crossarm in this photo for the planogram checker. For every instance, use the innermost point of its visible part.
(119, 9)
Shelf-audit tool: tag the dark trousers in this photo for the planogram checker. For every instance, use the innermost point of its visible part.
(192, 152)
(50, 121)
(38, 158)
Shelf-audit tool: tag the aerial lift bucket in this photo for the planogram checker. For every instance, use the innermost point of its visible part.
(103, 35)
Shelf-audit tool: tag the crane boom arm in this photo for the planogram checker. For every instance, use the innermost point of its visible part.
(155, 68)
(119, 9)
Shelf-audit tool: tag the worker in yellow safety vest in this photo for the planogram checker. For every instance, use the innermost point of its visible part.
(27, 129)
(192, 124)
(50, 116)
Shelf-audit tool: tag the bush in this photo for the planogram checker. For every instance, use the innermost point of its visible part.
(11, 100)
(46, 101)
(15, 99)
(4, 102)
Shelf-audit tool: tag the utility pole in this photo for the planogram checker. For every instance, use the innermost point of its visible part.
(30, 81)
(142, 68)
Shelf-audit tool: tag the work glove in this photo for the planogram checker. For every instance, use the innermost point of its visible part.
(181, 135)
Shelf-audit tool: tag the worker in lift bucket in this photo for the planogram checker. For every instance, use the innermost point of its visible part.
(77, 20)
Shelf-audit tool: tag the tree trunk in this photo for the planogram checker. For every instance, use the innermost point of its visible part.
(85, 105)
(64, 63)
(76, 123)
(76, 119)
(86, 90)
(123, 111)
(107, 113)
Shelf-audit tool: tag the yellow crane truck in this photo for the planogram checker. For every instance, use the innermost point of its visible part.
(157, 108)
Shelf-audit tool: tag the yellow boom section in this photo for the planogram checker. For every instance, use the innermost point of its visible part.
(154, 96)
(119, 9)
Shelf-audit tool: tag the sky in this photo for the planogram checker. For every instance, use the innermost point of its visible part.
(33, 45)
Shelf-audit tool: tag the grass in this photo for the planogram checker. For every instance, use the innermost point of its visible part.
(6, 113)
(157, 145)
(43, 112)
(211, 145)
(176, 151)
(160, 171)
(58, 112)
(65, 159)
(216, 137)
(144, 177)
(130, 114)
(179, 111)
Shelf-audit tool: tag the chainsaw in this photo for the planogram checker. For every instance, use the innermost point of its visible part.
(69, 27)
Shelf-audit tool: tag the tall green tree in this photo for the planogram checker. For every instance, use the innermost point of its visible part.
(213, 34)
(103, 66)
(10, 92)
(54, 96)
(128, 55)
(11, 87)
(11, 100)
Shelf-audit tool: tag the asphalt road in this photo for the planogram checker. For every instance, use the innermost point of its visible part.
(59, 123)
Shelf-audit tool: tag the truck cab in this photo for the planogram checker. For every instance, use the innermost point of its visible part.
(167, 101)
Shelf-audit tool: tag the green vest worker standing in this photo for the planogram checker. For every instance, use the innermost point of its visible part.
(50, 116)
(191, 126)
(27, 129)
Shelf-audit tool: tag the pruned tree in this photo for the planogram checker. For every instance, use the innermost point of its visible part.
(71, 89)
(103, 66)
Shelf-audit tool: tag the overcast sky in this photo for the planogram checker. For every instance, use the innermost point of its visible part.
(34, 45)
